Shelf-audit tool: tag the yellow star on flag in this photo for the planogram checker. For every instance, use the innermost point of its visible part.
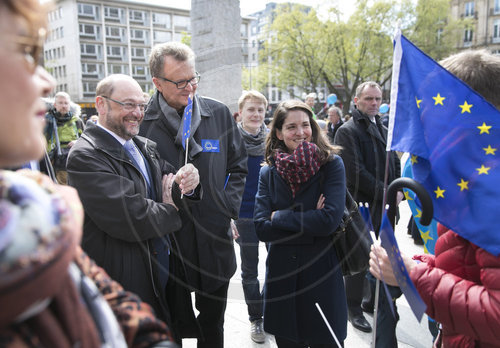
(418, 102)
(484, 128)
(425, 236)
(466, 107)
(407, 196)
(414, 159)
(463, 185)
(419, 214)
(483, 170)
(439, 192)
(438, 99)
(489, 150)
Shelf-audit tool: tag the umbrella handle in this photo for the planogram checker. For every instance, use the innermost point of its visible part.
(420, 191)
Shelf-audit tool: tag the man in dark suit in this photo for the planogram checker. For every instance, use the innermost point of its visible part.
(131, 197)
(203, 252)
(334, 122)
(364, 140)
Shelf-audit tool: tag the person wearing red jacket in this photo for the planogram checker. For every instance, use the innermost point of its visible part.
(460, 284)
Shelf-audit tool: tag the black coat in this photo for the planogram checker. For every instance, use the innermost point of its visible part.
(364, 154)
(120, 222)
(302, 267)
(204, 243)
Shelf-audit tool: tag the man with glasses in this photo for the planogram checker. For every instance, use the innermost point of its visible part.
(131, 197)
(202, 258)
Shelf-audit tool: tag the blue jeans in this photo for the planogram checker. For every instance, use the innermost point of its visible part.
(249, 252)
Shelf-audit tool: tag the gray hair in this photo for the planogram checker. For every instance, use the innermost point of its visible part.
(367, 84)
(176, 50)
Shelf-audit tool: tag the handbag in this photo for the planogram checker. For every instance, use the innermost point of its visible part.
(351, 239)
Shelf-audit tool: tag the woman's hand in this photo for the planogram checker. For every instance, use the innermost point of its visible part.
(321, 202)
(380, 265)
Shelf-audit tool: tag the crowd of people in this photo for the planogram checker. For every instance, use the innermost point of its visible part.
(136, 222)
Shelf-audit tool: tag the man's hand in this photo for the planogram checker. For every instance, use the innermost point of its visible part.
(167, 182)
(187, 178)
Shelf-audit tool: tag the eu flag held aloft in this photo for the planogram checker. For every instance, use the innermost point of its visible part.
(453, 137)
(186, 121)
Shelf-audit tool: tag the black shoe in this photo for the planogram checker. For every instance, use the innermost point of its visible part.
(360, 323)
(367, 308)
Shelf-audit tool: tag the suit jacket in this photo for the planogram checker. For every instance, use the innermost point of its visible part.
(364, 154)
(302, 267)
(120, 220)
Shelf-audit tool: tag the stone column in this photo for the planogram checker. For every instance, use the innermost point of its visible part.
(216, 41)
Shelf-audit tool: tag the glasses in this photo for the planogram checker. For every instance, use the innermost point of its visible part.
(128, 106)
(183, 84)
(31, 48)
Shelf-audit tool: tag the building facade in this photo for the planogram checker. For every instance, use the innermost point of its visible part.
(484, 32)
(90, 39)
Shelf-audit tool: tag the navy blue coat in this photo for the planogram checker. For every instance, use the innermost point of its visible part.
(302, 267)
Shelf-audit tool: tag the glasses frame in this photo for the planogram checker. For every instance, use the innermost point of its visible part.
(32, 48)
(128, 105)
(196, 77)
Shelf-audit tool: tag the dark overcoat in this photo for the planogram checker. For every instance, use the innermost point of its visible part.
(364, 153)
(204, 243)
(302, 268)
(120, 221)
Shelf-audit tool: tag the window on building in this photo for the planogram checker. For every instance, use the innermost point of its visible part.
(140, 70)
(118, 69)
(468, 33)
(64, 70)
(137, 34)
(90, 50)
(60, 12)
(137, 16)
(114, 32)
(178, 36)
(115, 51)
(469, 8)
(89, 88)
(181, 22)
(496, 30)
(496, 7)
(162, 36)
(90, 30)
(161, 20)
(113, 13)
(89, 68)
(88, 10)
(244, 30)
(138, 52)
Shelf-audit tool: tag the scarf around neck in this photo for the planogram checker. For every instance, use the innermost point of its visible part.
(298, 167)
(174, 124)
(255, 144)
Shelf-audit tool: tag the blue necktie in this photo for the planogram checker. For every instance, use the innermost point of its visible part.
(137, 157)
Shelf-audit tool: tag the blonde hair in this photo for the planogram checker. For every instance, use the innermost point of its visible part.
(248, 95)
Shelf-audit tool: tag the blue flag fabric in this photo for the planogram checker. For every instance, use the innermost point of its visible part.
(186, 122)
(453, 136)
(389, 243)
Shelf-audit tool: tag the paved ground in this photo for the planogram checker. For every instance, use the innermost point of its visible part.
(410, 333)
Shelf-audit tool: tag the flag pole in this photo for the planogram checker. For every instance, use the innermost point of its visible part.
(396, 62)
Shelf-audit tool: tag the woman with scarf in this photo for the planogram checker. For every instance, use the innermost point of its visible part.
(251, 109)
(298, 207)
(51, 293)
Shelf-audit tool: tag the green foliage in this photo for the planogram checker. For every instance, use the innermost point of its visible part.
(302, 50)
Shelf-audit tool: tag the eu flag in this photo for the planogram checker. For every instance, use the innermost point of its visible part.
(186, 121)
(390, 245)
(452, 135)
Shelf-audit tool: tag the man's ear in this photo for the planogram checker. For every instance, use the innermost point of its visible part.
(100, 105)
(157, 84)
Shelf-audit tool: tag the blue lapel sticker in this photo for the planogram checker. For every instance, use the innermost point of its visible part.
(210, 145)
